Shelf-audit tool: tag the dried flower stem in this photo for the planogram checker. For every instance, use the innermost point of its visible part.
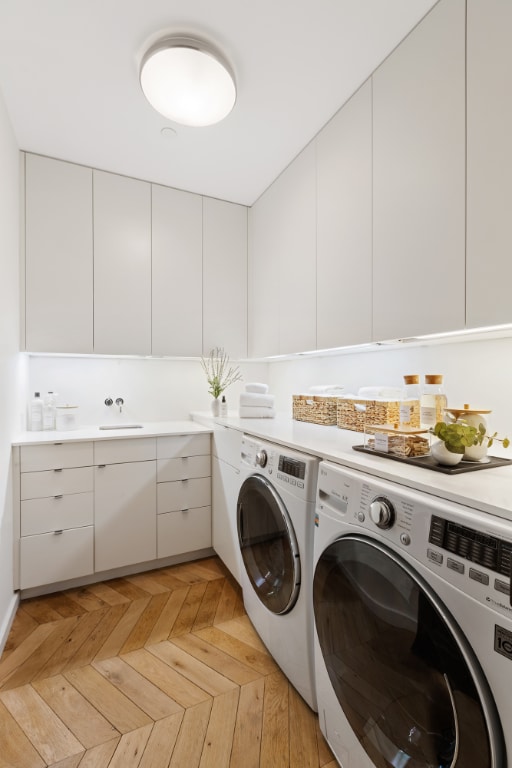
(219, 373)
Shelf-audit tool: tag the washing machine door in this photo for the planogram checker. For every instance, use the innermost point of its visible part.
(405, 676)
(269, 548)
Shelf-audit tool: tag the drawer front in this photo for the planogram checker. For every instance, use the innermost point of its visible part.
(187, 531)
(35, 458)
(56, 482)
(183, 468)
(49, 557)
(183, 494)
(124, 450)
(56, 513)
(173, 446)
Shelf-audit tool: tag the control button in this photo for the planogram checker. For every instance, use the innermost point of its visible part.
(293, 481)
(261, 458)
(300, 484)
(361, 517)
(405, 539)
(479, 576)
(436, 557)
(502, 586)
(455, 565)
(382, 512)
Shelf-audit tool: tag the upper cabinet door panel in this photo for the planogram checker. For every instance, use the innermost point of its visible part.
(122, 265)
(224, 277)
(419, 179)
(344, 224)
(59, 264)
(489, 131)
(176, 272)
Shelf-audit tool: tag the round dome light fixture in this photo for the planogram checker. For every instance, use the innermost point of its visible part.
(187, 81)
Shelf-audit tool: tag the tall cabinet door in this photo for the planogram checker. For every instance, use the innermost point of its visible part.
(177, 272)
(122, 265)
(59, 265)
(419, 179)
(489, 131)
(224, 277)
(344, 224)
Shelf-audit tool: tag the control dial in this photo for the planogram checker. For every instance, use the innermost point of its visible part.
(382, 512)
(261, 458)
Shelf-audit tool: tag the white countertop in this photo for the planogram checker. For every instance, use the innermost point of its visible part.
(147, 429)
(488, 490)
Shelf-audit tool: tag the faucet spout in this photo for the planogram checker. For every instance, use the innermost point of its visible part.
(120, 403)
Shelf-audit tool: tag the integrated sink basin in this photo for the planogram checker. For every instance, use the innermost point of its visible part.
(121, 426)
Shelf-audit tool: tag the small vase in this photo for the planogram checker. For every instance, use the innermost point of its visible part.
(215, 406)
(442, 455)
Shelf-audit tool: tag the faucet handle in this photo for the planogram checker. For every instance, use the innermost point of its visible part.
(119, 401)
(109, 401)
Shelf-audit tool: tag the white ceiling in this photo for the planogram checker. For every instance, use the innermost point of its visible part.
(69, 78)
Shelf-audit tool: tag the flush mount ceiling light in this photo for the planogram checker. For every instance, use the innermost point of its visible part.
(187, 81)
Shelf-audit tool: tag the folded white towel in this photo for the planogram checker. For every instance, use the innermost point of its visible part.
(253, 412)
(255, 387)
(324, 389)
(254, 398)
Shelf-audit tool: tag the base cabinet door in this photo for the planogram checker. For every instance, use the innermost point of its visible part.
(125, 514)
(185, 530)
(57, 556)
(225, 487)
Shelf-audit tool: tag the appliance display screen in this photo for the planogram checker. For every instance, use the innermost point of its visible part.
(292, 467)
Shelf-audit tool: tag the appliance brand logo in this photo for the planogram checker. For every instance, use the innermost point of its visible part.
(503, 641)
(498, 604)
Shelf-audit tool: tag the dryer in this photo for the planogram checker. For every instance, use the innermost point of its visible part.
(275, 521)
(413, 626)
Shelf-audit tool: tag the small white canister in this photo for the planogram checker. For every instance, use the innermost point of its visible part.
(66, 417)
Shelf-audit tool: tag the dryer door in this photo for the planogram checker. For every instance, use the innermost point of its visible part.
(270, 552)
(405, 676)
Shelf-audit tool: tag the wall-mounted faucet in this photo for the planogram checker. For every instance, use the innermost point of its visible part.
(109, 401)
(120, 403)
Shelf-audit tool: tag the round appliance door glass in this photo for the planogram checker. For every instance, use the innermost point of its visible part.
(405, 676)
(269, 548)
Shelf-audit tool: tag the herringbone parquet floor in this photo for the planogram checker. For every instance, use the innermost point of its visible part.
(157, 670)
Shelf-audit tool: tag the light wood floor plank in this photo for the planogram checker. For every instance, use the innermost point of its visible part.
(186, 617)
(113, 705)
(185, 693)
(82, 719)
(215, 658)
(22, 626)
(275, 740)
(122, 629)
(66, 606)
(110, 596)
(16, 750)
(198, 673)
(242, 629)
(162, 741)
(69, 762)
(189, 744)
(248, 726)
(23, 652)
(40, 608)
(146, 582)
(170, 612)
(63, 655)
(130, 749)
(127, 589)
(148, 697)
(209, 604)
(98, 637)
(260, 661)
(144, 626)
(219, 735)
(86, 599)
(302, 740)
(43, 728)
(100, 756)
(230, 603)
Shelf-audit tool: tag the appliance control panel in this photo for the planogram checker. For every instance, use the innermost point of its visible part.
(296, 472)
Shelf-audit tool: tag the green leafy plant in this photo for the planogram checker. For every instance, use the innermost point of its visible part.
(457, 436)
(219, 373)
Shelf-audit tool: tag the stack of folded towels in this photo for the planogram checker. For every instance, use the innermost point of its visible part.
(256, 403)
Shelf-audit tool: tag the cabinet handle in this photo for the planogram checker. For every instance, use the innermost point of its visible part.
(59, 496)
(57, 533)
(58, 470)
(185, 510)
(57, 443)
(101, 466)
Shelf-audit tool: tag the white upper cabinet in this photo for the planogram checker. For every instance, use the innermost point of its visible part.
(177, 272)
(344, 224)
(282, 262)
(489, 158)
(59, 265)
(122, 265)
(224, 277)
(419, 179)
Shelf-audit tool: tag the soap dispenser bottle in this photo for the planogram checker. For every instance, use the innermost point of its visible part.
(36, 412)
(223, 406)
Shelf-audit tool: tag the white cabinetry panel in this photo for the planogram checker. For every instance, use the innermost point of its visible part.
(225, 488)
(183, 468)
(419, 179)
(54, 513)
(55, 456)
(176, 272)
(59, 261)
(344, 224)
(54, 557)
(183, 494)
(184, 531)
(55, 482)
(224, 277)
(173, 446)
(124, 449)
(122, 265)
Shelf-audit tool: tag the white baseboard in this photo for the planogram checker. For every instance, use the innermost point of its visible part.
(7, 620)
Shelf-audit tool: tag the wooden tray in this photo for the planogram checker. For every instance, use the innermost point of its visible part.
(428, 462)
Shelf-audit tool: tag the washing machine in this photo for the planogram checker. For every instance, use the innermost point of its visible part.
(275, 520)
(413, 626)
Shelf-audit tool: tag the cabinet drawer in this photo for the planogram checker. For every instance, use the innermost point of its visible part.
(51, 557)
(56, 513)
(34, 458)
(56, 482)
(124, 450)
(173, 446)
(183, 494)
(184, 531)
(183, 468)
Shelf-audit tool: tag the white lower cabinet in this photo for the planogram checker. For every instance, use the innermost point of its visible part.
(225, 488)
(58, 556)
(185, 530)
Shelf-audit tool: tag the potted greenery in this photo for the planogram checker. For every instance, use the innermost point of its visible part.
(458, 436)
(219, 374)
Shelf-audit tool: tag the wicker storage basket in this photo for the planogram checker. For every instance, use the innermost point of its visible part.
(317, 409)
(359, 414)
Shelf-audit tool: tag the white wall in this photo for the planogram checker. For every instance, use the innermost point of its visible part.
(11, 362)
(475, 372)
(152, 389)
